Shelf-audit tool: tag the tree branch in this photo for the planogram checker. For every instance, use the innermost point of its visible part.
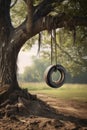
(47, 23)
(30, 15)
(59, 21)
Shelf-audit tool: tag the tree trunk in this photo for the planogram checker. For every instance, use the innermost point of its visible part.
(8, 66)
(8, 53)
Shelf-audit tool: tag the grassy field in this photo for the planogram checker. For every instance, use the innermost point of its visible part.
(67, 91)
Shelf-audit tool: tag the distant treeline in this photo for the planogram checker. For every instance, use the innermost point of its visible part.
(81, 78)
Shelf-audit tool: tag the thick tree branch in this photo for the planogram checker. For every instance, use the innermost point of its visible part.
(59, 21)
(30, 15)
(48, 23)
(19, 36)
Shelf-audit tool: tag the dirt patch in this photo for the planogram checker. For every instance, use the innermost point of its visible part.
(43, 113)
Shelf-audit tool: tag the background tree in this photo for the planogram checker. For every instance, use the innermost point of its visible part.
(41, 15)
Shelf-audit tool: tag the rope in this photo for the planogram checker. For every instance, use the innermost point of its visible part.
(53, 46)
(54, 31)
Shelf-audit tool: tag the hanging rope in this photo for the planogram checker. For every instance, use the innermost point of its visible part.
(55, 43)
(51, 48)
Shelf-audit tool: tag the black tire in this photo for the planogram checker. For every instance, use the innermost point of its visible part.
(48, 76)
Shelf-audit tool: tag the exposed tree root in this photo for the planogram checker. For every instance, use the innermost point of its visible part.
(22, 103)
(18, 102)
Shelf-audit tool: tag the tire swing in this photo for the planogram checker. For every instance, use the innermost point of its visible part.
(55, 74)
(60, 71)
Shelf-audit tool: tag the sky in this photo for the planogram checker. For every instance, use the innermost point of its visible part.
(25, 58)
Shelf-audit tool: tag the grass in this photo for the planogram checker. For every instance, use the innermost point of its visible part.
(67, 91)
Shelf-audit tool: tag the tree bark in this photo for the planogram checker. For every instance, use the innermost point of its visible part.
(8, 53)
(8, 67)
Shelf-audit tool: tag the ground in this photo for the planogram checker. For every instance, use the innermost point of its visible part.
(46, 113)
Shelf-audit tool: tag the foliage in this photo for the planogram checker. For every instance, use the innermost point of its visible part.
(18, 13)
